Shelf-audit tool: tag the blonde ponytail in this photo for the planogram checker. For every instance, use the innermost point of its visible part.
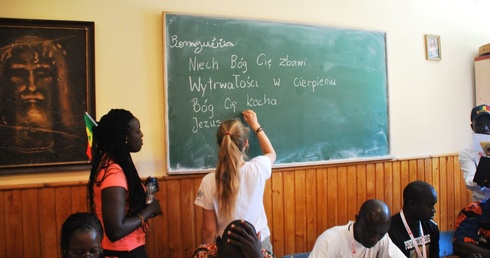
(232, 138)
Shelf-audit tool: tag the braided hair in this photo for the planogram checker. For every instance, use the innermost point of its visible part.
(109, 147)
(80, 221)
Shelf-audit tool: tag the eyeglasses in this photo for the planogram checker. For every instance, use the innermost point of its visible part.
(94, 252)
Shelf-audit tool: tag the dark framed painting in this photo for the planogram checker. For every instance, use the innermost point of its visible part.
(47, 83)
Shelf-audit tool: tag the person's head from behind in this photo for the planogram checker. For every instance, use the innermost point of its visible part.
(232, 137)
(419, 199)
(81, 236)
(239, 240)
(480, 119)
(372, 222)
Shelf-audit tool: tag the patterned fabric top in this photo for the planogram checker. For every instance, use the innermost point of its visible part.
(473, 224)
(209, 251)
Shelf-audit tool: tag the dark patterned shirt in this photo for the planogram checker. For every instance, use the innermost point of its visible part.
(473, 224)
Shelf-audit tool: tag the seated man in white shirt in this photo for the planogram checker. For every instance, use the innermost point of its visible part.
(366, 237)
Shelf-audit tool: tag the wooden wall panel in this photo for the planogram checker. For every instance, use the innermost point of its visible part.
(333, 192)
(289, 212)
(352, 187)
(388, 183)
(443, 189)
(395, 188)
(187, 196)
(361, 184)
(301, 203)
(379, 185)
(30, 222)
(321, 200)
(450, 186)
(158, 243)
(14, 246)
(370, 184)
(312, 198)
(78, 198)
(278, 216)
(342, 194)
(437, 185)
(174, 218)
(3, 226)
(48, 227)
(300, 210)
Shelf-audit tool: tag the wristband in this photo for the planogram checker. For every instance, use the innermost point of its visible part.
(259, 130)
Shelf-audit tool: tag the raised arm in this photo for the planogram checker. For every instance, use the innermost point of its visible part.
(264, 142)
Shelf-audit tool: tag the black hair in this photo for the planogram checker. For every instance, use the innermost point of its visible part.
(375, 211)
(227, 250)
(417, 191)
(82, 221)
(109, 146)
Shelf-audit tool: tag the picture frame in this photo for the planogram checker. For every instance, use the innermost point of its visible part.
(47, 83)
(433, 47)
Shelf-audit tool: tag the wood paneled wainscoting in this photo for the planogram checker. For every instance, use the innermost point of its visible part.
(300, 202)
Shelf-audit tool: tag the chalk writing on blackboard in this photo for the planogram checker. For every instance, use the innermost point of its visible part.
(321, 92)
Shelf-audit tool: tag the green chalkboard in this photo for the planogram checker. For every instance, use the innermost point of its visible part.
(320, 92)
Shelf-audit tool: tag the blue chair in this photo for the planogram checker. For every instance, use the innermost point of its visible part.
(298, 255)
(446, 243)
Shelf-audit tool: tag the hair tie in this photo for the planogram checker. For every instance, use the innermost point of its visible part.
(228, 133)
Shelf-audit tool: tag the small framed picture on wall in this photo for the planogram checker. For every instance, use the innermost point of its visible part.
(432, 47)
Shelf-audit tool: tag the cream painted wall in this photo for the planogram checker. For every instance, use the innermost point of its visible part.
(429, 101)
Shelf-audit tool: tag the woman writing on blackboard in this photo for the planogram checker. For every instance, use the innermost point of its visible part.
(116, 192)
(236, 189)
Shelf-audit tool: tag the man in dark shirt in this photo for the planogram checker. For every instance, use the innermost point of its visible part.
(412, 229)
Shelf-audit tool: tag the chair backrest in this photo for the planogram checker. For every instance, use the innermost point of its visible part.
(298, 255)
(446, 243)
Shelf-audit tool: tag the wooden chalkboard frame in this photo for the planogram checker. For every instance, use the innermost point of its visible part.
(171, 169)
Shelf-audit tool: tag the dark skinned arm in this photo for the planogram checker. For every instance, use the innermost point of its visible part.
(463, 249)
(116, 224)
